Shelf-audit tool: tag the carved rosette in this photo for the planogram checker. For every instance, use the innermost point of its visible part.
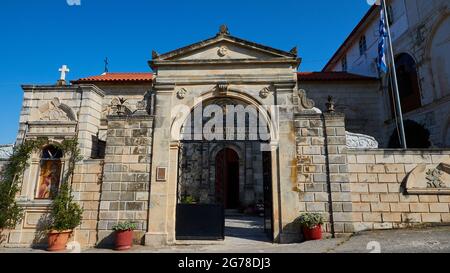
(182, 93)
(264, 93)
(223, 51)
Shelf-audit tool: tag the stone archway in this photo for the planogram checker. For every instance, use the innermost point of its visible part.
(239, 157)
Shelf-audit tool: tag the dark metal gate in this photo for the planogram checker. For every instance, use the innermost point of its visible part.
(206, 220)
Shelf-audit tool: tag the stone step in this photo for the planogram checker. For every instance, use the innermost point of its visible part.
(233, 212)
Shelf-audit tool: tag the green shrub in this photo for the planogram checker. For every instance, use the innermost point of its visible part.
(124, 226)
(310, 220)
(65, 213)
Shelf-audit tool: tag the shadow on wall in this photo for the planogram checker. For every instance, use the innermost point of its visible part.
(417, 136)
(40, 236)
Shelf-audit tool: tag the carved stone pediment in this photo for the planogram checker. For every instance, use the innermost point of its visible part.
(223, 46)
(56, 111)
(429, 179)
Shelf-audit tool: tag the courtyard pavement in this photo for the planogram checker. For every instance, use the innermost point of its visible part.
(246, 235)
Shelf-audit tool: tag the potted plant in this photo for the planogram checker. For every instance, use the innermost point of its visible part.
(188, 200)
(124, 235)
(311, 224)
(65, 215)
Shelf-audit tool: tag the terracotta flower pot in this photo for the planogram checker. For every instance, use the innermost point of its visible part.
(57, 240)
(124, 240)
(313, 234)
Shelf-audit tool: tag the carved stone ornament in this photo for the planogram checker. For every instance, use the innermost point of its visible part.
(302, 101)
(223, 30)
(55, 111)
(182, 93)
(429, 179)
(223, 51)
(360, 141)
(155, 55)
(264, 93)
(222, 88)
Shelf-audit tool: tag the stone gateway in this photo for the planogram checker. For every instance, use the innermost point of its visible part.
(223, 124)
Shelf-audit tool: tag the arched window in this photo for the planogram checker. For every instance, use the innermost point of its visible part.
(50, 172)
(408, 83)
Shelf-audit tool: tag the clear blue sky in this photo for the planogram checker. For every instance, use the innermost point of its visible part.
(38, 36)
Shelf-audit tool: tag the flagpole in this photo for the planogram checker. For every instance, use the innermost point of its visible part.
(394, 77)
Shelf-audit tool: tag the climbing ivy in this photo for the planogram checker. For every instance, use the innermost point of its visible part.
(11, 177)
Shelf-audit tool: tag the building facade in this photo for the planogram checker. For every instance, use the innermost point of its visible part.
(146, 152)
(421, 40)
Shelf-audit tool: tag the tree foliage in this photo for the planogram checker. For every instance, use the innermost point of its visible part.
(12, 175)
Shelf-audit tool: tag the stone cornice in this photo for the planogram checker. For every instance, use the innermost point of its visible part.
(293, 61)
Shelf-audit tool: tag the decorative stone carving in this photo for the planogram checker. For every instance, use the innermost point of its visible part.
(119, 107)
(429, 179)
(55, 111)
(223, 51)
(264, 93)
(294, 51)
(223, 30)
(360, 141)
(141, 108)
(181, 94)
(222, 88)
(434, 179)
(301, 100)
(155, 55)
(330, 105)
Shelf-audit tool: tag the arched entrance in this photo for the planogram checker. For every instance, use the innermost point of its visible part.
(227, 178)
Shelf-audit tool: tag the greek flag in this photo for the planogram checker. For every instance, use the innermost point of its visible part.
(382, 65)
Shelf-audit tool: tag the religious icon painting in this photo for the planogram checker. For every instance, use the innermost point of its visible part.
(49, 179)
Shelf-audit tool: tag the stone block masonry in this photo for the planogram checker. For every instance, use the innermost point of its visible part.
(86, 185)
(126, 175)
(377, 179)
(323, 183)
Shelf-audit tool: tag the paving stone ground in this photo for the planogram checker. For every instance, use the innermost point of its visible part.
(246, 235)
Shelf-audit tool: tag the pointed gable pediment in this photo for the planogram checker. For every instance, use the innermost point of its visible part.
(222, 48)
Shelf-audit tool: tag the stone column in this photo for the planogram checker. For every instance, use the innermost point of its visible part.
(157, 233)
(126, 177)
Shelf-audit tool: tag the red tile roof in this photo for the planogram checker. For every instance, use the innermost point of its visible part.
(332, 76)
(148, 77)
(117, 77)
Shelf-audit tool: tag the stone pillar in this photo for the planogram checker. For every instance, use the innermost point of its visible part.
(323, 182)
(89, 118)
(126, 178)
(337, 170)
(159, 215)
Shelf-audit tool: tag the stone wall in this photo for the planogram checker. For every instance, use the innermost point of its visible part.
(86, 187)
(323, 183)
(378, 189)
(358, 100)
(126, 180)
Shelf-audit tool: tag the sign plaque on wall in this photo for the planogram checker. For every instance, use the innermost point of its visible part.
(161, 174)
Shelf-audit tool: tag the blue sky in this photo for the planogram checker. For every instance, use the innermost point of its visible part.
(38, 36)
